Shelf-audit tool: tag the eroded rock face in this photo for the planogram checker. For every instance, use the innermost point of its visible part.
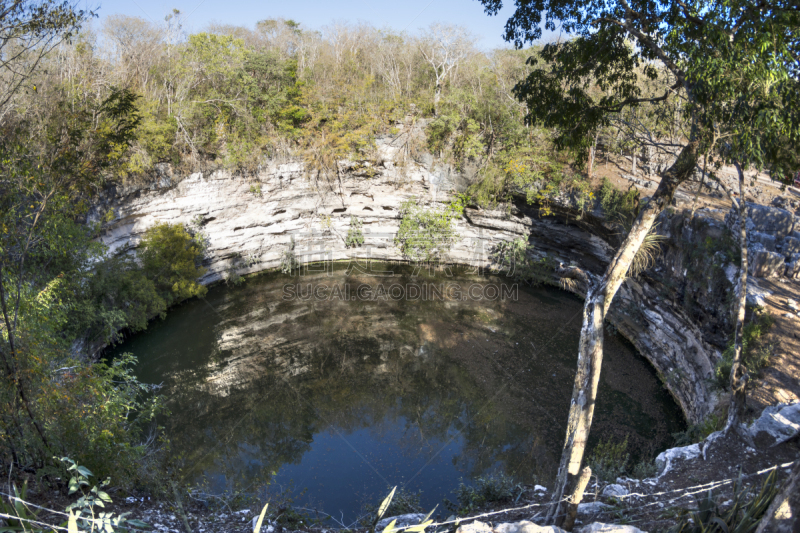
(772, 240)
(250, 222)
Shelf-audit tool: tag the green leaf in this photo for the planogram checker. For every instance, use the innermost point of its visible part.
(72, 525)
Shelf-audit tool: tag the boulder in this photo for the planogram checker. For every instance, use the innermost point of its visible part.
(765, 239)
(599, 527)
(615, 491)
(524, 526)
(772, 220)
(793, 267)
(790, 245)
(403, 520)
(765, 264)
(592, 507)
(667, 457)
(778, 422)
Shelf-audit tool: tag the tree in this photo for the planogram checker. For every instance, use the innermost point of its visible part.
(444, 47)
(29, 29)
(41, 244)
(675, 42)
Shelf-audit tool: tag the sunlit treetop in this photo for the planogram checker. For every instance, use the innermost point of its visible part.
(732, 64)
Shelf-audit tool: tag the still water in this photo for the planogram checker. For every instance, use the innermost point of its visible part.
(334, 386)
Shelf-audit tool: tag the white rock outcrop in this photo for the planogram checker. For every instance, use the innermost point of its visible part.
(666, 458)
(599, 527)
(780, 422)
(524, 526)
(250, 221)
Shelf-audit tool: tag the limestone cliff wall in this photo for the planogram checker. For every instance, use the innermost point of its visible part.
(249, 222)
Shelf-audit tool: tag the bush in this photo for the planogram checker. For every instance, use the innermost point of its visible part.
(170, 257)
(98, 413)
(487, 489)
(513, 258)
(698, 432)
(426, 235)
(620, 207)
(355, 237)
(608, 460)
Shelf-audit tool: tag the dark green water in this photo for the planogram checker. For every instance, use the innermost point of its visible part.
(345, 393)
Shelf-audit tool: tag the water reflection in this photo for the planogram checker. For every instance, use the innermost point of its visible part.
(345, 397)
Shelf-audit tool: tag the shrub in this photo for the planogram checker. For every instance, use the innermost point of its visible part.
(98, 413)
(355, 237)
(620, 207)
(170, 257)
(698, 432)
(486, 489)
(609, 460)
(427, 234)
(513, 258)
(289, 260)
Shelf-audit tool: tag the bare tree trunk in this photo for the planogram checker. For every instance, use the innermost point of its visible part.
(592, 150)
(590, 355)
(739, 376)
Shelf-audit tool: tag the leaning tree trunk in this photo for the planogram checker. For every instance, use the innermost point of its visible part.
(739, 377)
(590, 351)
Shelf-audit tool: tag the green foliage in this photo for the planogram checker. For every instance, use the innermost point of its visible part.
(255, 190)
(355, 237)
(698, 432)
(619, 207)
(529, 171)
(644, 469)
(513, 258)
(756, 352)
(742, 515)
(98, 412)
(170, 257)
(118, 294)
(55, 287)
(496, 488)
(609, 460)
(426, 234)
(87, 514)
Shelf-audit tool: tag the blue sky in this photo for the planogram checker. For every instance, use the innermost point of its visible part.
(407, 15)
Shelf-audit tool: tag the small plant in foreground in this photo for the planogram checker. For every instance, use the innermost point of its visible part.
(85, 515)
(742, 516)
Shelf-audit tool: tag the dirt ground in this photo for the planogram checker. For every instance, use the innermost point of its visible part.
(780, 382)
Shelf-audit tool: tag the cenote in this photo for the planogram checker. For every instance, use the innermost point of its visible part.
(321, 388)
